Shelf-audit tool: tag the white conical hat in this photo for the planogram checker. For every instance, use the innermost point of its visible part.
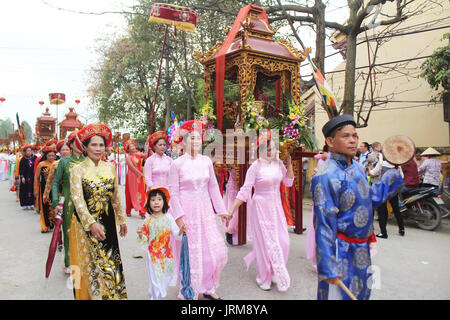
(430, 152)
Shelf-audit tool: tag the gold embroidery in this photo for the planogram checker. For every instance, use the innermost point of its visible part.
(91, 188)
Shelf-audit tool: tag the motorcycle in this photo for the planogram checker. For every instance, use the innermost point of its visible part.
(446, 198)
(423, 205)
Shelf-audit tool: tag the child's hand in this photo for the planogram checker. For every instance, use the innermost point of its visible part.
(139, 232)
(182, 230)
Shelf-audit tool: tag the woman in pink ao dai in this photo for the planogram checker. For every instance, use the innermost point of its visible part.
(194, 191)
(269, 229)
(156, 168)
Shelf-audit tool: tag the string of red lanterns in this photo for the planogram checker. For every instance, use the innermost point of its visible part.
(77, 101)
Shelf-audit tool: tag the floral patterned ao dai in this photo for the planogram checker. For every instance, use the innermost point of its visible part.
(157, 235)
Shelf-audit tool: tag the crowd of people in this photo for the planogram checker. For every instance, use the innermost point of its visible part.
(176, 191)
(423, 170)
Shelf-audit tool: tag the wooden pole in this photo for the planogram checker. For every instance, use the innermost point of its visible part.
(159, 76)
(242, 222)
(298, 156)
(346, 290)
(298, 218)
(242, 211)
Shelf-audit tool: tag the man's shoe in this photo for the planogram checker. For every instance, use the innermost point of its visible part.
(383, 236)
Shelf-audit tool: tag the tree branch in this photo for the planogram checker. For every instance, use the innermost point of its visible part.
(287, 7)
(328, 24)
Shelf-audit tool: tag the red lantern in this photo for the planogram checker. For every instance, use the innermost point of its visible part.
(2, 99)
(41, 103)
(77, 101)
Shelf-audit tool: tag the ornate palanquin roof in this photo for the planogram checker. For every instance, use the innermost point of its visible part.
(71, 120)
(255, 36)
(46, 116)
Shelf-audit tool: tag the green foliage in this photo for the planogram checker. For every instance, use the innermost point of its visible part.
(6, 127)
(29, 132)
(123, 80)
(436, 69)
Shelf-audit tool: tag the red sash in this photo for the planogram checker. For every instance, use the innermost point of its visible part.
(371, 239)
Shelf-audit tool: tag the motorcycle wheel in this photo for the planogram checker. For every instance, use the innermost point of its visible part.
(434, 214)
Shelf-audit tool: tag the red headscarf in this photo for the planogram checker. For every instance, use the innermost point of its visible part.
(128, 143)
(265, 137)
(156, 136)
(50, 148)
(164, 190)
(193, 125)
(60, 144)
(93, 129)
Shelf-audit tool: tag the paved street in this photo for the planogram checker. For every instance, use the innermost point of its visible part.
(412, 267)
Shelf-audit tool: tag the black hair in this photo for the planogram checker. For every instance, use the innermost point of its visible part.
(44, 157)
(367, 145)
(156, 142)
(325, 148)
(86, 142)
(155, 193)
(69, 142)
(375, 144)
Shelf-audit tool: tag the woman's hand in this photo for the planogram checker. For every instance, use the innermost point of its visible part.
(226, 218)
(23, 180)
(97, 231)
(290, 170)
(183, 229)
(179, 222)
(123, 230)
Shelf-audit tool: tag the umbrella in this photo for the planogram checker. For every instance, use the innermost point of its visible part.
(56, 240)
(185, 270)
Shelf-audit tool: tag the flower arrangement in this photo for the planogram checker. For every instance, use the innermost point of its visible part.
(207, 115)
(208, 118)
(253, 117)
(295, 130)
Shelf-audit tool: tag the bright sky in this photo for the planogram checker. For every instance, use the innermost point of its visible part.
(45, 50)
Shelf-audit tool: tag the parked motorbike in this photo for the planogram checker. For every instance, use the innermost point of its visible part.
(423, 205)
(445, 208)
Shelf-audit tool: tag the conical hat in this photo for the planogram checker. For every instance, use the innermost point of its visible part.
(430, 152)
